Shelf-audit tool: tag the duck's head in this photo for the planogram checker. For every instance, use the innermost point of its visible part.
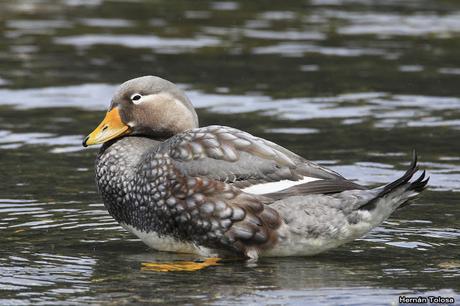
(148, 106)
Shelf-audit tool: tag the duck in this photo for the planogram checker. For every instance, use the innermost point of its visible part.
(217, 191)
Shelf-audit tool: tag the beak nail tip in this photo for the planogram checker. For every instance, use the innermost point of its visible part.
(84, 141)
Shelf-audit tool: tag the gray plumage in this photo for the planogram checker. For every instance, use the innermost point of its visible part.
(183, 188)
(320, 222)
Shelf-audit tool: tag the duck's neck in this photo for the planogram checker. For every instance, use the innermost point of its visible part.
(158, 135)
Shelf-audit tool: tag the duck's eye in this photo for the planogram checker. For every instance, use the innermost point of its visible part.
(136, 98)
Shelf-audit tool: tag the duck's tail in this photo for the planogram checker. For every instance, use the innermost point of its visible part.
(402, 190)
(318, 222)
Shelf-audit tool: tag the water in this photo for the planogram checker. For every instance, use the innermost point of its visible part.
(352, 84)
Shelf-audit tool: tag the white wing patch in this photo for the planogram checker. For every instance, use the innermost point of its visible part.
(276, 186)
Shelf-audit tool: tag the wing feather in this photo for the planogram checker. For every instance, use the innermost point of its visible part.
(230, 155)
(206, 169)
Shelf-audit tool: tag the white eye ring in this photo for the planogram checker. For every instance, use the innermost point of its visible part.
(136, 98)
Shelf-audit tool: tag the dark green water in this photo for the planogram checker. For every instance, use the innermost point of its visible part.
(354, 85)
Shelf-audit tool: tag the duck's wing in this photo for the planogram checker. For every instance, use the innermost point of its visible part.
(241, 159)
(207, 170)
(316, 187)
(218, 215)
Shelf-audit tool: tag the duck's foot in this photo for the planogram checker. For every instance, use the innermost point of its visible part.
(186, 266)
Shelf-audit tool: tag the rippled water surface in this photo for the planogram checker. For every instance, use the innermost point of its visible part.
(352, 84)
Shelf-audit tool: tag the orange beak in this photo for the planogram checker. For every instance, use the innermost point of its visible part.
(111, 127)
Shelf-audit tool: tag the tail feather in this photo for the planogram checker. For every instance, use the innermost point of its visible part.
(419, 184)
(416, 186)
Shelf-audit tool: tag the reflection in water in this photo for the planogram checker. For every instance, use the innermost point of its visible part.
(44, 278)
(384, 25)
(386, 110)
(166, 45)
(354, 85)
